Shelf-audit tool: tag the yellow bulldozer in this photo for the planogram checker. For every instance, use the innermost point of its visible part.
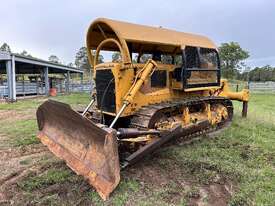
(164, 85)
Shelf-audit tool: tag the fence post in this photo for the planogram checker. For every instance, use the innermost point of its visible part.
(245, 107)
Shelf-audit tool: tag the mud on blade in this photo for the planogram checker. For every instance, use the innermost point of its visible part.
(87, 149)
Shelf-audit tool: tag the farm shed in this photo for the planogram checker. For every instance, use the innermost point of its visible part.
(14, 68)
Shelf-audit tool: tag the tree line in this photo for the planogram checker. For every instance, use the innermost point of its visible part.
(259, 74)
(233, 67)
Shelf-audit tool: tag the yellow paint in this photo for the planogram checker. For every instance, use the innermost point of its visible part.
(138, 139)
(132, 80)
(125, 32)
(240, 96)
(186, 116)
(219, 113)
(208, 112)
(139, 80)
(200, 89)
(124, 79)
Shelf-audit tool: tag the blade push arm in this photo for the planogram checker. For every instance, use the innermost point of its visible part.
(140, 79)
(242, 96)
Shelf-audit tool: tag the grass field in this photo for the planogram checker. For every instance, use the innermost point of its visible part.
(235, 168)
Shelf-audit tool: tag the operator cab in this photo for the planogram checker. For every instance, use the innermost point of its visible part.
(194, 67)
(200, 68)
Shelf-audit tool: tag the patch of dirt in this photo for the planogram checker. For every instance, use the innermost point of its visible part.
(17, 152)
(4, 142)
(213, 194)
(177, 184)
(13, 115)
(147, 173)
(6, 114)
(16, 163)
(66, 193)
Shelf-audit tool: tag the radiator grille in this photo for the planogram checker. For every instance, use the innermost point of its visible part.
(105, 83)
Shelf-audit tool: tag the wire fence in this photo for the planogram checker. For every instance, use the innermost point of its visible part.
(24, 88)
(254, 86)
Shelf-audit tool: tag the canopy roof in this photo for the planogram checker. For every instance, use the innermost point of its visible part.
(141, 37)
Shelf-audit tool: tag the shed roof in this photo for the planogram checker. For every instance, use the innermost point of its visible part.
(144, 34)
(32, 64)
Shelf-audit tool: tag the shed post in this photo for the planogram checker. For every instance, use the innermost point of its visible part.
(68, 82)
(81, 81)
(10, 67)
(46, 79)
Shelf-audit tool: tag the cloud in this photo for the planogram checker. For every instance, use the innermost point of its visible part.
(59, 27)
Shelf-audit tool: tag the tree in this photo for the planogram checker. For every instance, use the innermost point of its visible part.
(54, 59)
(232, 56)
(70, 64)
(135, 58)
(178, 60)
(25, 53)
(166, 59)
(116, 57)
(145, 57)
(5, 48)
(81, 59)
(265, 73)
(100, 58)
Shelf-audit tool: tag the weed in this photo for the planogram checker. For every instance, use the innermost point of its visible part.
(95, 198)
(193, 192)
(21, 132)
(25, 162)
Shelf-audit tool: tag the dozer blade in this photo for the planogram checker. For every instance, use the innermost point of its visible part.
(87, 149)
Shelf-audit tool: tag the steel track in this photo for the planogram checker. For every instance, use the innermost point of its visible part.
(147, 116)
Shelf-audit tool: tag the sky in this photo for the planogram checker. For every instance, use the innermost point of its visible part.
(59, 27)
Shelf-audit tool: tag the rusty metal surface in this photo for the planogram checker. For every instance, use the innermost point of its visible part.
(147, 116)
(176, 132)
(87, 149)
